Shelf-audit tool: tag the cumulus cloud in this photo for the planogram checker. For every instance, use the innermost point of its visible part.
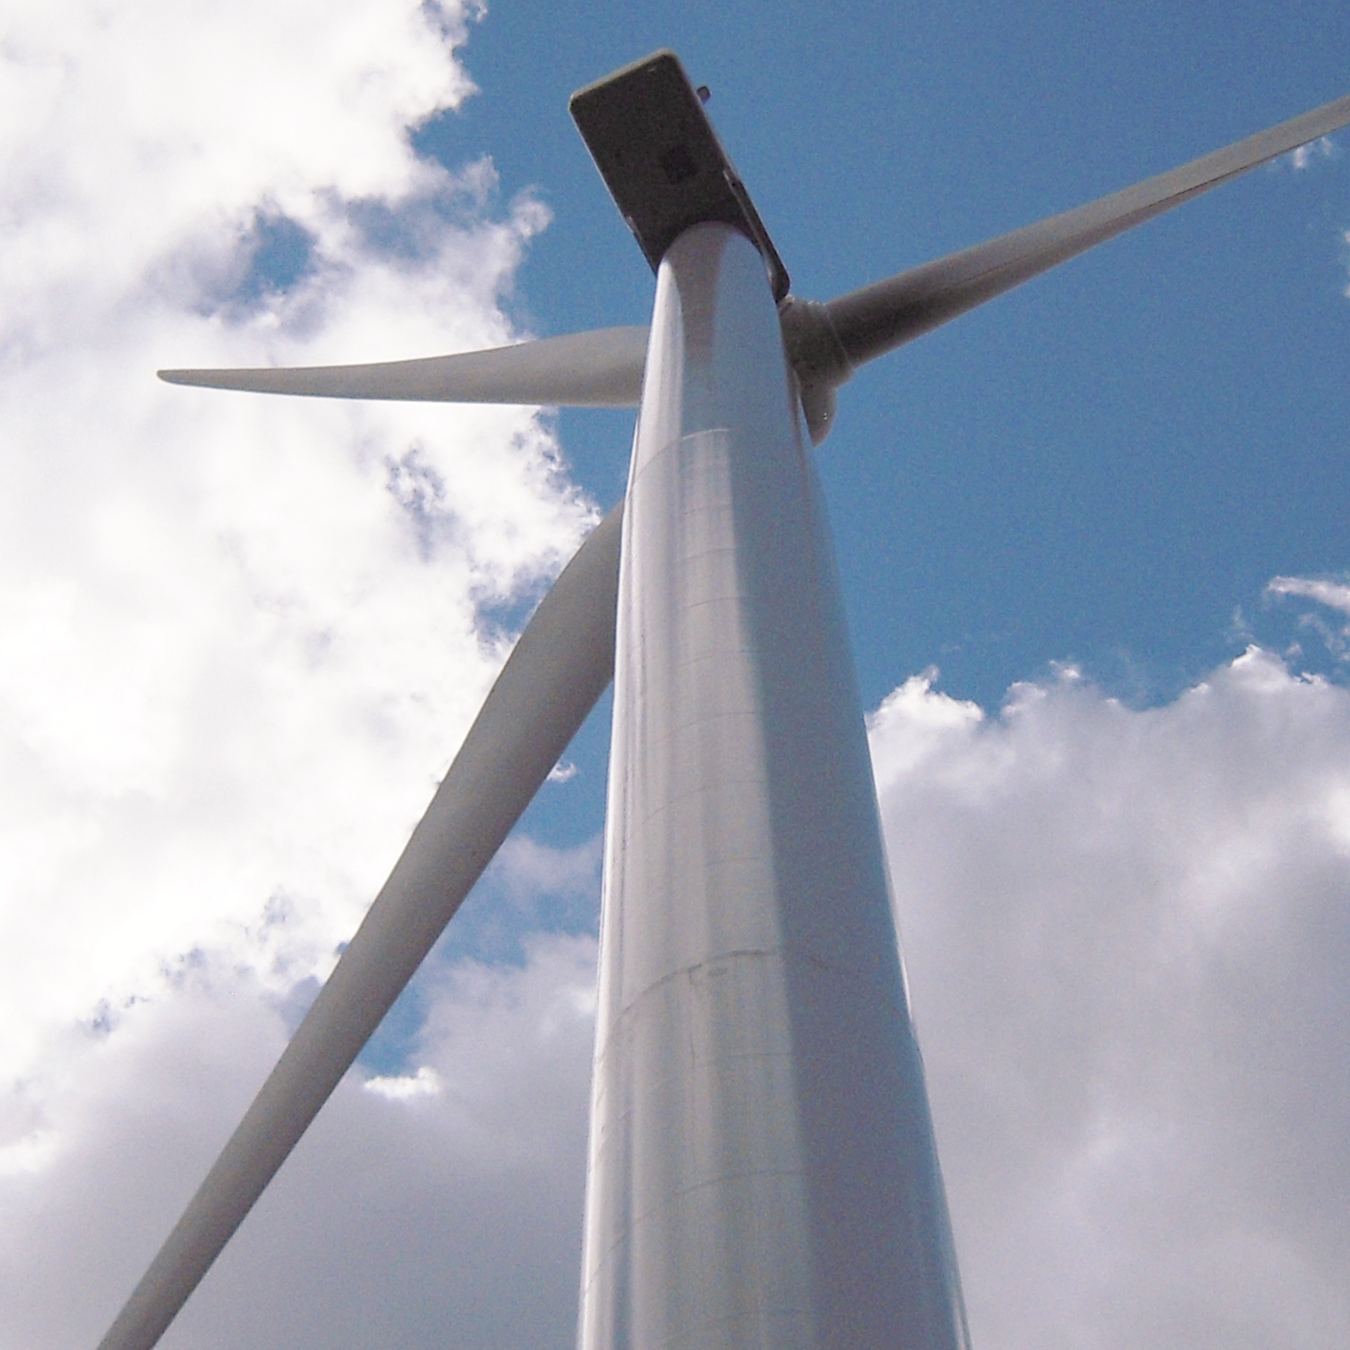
(1127, 935)
(241, 635)
(240, 638)
(1128, 940)
(441, 1208)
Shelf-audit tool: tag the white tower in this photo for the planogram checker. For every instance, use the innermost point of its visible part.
(762, 1168)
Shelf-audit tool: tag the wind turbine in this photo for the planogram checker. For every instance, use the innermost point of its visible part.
(762, 1166)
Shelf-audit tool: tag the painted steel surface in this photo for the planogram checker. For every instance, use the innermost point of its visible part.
(876, 319)
(762, 1167)
(602, 368)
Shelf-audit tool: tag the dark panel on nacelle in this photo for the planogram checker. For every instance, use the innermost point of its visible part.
(662, 162)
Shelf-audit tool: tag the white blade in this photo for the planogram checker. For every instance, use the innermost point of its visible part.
(871, 321)
(560, 666)
(602, 368)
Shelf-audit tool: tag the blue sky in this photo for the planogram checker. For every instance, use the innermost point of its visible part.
(240, 639)
(1100, 468)
(1104, 468)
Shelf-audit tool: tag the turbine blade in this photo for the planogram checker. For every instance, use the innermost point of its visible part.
(602, 368)
(872, 321)
(560, 666)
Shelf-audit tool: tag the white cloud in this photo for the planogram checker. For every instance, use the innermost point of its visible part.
(239, 637)
(426, 1082)
(1333, 594)
(447, 1218)
(1128, 938)
(240, 634)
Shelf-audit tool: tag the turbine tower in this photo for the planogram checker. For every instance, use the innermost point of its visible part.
(762, 1169)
